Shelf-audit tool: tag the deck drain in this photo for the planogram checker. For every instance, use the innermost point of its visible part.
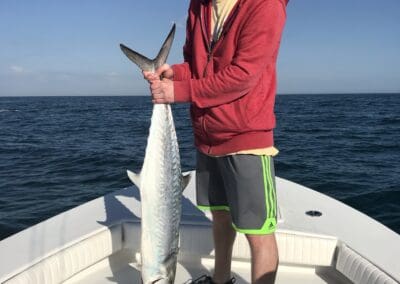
(314, 213)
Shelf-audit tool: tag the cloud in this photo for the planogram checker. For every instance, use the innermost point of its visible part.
(112, 74)
(18, 70)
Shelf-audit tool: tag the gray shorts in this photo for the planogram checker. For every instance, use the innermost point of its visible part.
(244, 185)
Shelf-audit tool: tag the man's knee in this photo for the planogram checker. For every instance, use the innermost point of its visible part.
(261, 241)
(222, 216)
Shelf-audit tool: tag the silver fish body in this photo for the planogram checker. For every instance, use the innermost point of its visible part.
(160, 183)
(161, 191)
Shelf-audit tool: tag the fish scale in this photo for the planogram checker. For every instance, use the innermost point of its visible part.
(160, 183)
(162, 143)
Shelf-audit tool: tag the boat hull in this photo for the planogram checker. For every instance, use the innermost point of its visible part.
(98, 242)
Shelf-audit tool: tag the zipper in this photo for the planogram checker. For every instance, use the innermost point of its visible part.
(205, 30)
(209, 55)
(211, 44)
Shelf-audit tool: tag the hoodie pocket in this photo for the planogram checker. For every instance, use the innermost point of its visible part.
(226, 120)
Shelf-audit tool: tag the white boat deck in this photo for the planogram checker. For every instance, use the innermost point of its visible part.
(98, 242)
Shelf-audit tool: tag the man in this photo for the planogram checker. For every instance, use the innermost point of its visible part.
(229, 77)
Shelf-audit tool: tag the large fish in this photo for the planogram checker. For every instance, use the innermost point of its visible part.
(160, 183)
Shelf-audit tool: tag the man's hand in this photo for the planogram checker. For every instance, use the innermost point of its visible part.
(162, 91)
(165, 71)
(161, 84)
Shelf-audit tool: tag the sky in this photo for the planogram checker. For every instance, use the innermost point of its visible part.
(51, 47)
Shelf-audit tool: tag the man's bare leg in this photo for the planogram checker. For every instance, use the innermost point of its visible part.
(264, 258)
(224, 237)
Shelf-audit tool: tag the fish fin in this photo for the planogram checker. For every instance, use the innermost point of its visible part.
(142, 61)
(168, 269)
(185, 180)
(165, 48)
(145, 63)
(135, 178)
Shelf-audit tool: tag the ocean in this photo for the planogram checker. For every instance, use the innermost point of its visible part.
(59, 152)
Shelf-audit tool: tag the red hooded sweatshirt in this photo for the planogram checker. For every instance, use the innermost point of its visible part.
(231, 83)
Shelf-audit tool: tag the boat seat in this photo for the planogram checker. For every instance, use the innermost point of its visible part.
(295, 248)
(65, 263)
(358, 269)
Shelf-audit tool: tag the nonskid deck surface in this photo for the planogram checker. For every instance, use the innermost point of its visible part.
(101, 273)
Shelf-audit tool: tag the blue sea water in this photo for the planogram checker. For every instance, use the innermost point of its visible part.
(59, 152)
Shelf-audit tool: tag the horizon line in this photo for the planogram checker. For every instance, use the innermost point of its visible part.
(278, 94)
